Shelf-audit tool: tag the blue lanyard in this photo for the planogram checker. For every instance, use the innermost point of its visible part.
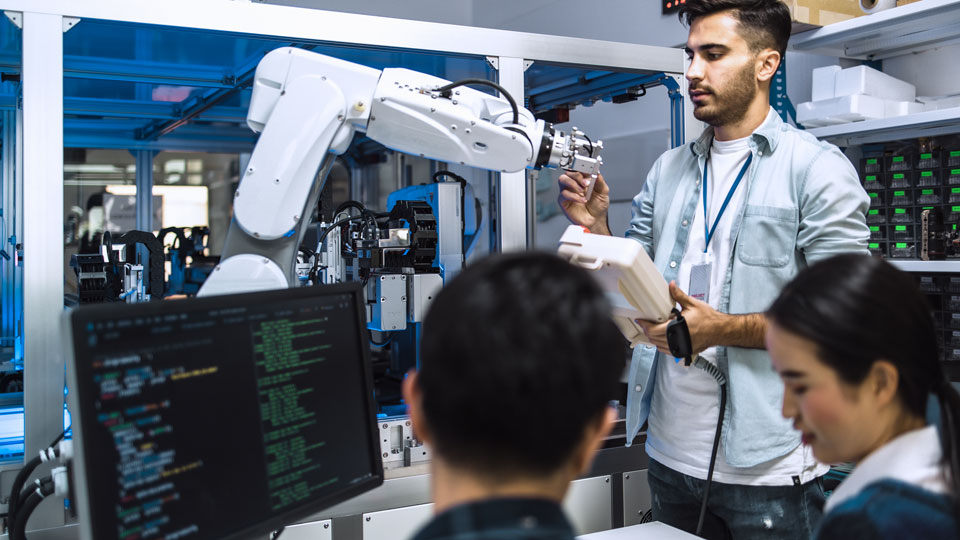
(708, 231)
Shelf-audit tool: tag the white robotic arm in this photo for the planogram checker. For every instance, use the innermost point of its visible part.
(308, 106)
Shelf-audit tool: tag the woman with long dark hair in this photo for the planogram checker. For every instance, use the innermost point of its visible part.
(854, 342)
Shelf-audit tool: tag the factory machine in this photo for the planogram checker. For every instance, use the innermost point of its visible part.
(307, 108)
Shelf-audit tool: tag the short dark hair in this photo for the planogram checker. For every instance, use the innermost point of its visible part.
(763, 23)
(859, 309)
(519, 354)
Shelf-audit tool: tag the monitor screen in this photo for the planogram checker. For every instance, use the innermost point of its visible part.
(220, 417)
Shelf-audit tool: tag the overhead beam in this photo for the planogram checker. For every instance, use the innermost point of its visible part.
(119, 69)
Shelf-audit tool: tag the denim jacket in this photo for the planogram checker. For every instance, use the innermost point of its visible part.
(891, 509)
(803, 203)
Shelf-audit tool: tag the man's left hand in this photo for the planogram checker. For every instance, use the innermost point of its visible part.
(702, 320)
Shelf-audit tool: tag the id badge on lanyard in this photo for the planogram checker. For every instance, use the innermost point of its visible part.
(700, 278)
(700, 273)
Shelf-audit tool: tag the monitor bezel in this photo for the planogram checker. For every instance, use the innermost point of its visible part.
(74, 321)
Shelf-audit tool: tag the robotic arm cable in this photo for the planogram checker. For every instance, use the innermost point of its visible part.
(678, 338)
(447, 89)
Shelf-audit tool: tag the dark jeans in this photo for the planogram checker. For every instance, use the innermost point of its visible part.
(734, 511)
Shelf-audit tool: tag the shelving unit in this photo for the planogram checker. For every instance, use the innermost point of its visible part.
(925, 124)
(908, 29)
(903, 30)
(914, 265)
(900, 31)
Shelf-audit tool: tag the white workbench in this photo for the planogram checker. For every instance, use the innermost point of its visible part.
(644, 531)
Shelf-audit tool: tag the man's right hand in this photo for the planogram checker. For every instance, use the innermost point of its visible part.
(591, 214)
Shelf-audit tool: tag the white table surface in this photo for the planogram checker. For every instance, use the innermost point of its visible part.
(653, 531)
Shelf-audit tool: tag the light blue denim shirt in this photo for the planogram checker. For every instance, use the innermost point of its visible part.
(803, 203)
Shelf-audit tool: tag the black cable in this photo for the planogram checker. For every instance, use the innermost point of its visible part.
(349, 204)
(60, 437)
(355, 205)
(18, 483)
(19, 529)
(383, 343)
(440, 174)
(323, 235)
(445, 92)
(591, 143)
(276, 534)
(25, 473)
(463, 198)
(715, 372)
(45, 485)
(22, 499)
(371, 217)
(306, 251)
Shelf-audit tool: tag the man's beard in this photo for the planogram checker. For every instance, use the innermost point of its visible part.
(731, 105)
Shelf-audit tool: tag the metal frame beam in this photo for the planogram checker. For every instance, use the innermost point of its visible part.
(42, 85)
(129, 108)
(175, 143)
(513, 188)
(8, 239)
(309, 25)
(144, 173)
(139, 71)
(582, 89)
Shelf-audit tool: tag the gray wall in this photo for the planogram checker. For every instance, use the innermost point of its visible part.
(627, 21)
(933, 72)
(451, 12)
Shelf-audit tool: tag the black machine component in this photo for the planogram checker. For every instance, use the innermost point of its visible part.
(93, 285)
(933, 237)
(189, 264)
(290, 430)
(419, 218)
(417, 251)
(101, 279)
(155, 249)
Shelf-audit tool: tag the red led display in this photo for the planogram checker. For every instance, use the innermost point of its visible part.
(672, 6)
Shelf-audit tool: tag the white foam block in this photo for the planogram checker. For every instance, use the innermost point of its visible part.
(824, 81)
(893, 109)
(840, 110)
(948, 103)
(870, 82)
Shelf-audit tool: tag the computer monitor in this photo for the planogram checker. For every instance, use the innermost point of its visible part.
(220, 417)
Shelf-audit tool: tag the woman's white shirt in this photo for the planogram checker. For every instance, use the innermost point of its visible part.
(912, 458)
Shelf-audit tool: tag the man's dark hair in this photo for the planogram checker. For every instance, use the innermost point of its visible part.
(763, 23)
(519, 354)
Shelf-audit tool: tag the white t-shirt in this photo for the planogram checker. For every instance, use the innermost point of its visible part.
(686, 401)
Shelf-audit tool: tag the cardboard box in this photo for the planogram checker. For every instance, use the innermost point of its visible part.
(905, 2)
(810, 13)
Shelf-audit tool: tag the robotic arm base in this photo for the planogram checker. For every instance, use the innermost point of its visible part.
(244, 273)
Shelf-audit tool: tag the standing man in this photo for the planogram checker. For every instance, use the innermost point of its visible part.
(729, 220)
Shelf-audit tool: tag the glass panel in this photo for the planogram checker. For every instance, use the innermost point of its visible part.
(628, 112)
(185, 94)
(11, 273)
